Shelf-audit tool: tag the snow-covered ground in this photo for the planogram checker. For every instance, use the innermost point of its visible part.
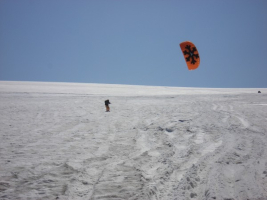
(57, 142)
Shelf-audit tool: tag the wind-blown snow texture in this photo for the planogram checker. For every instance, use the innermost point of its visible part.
(57, 142)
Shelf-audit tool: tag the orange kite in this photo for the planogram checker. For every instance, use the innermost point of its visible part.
(191, 55)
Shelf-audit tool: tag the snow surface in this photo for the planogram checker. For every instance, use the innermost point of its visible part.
(57, 142)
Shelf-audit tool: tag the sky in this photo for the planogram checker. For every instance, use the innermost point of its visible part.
(134, 42)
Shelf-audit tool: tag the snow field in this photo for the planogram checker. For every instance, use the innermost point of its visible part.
(57, 142)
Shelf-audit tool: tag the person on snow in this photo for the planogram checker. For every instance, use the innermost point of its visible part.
(107, 105)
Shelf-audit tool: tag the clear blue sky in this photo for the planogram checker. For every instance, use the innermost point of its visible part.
(134, 42)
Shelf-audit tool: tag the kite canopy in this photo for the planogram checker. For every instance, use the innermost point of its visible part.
(191, 55)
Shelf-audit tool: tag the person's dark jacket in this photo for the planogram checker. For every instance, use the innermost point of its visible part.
(107, 102)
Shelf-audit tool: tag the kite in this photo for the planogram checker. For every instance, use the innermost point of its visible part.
(191, 55)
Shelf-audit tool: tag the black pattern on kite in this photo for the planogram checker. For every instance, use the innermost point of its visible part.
(191, 54)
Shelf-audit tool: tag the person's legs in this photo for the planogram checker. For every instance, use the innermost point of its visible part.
(107, 108)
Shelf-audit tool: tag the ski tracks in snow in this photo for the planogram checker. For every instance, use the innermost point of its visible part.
(153, 147)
